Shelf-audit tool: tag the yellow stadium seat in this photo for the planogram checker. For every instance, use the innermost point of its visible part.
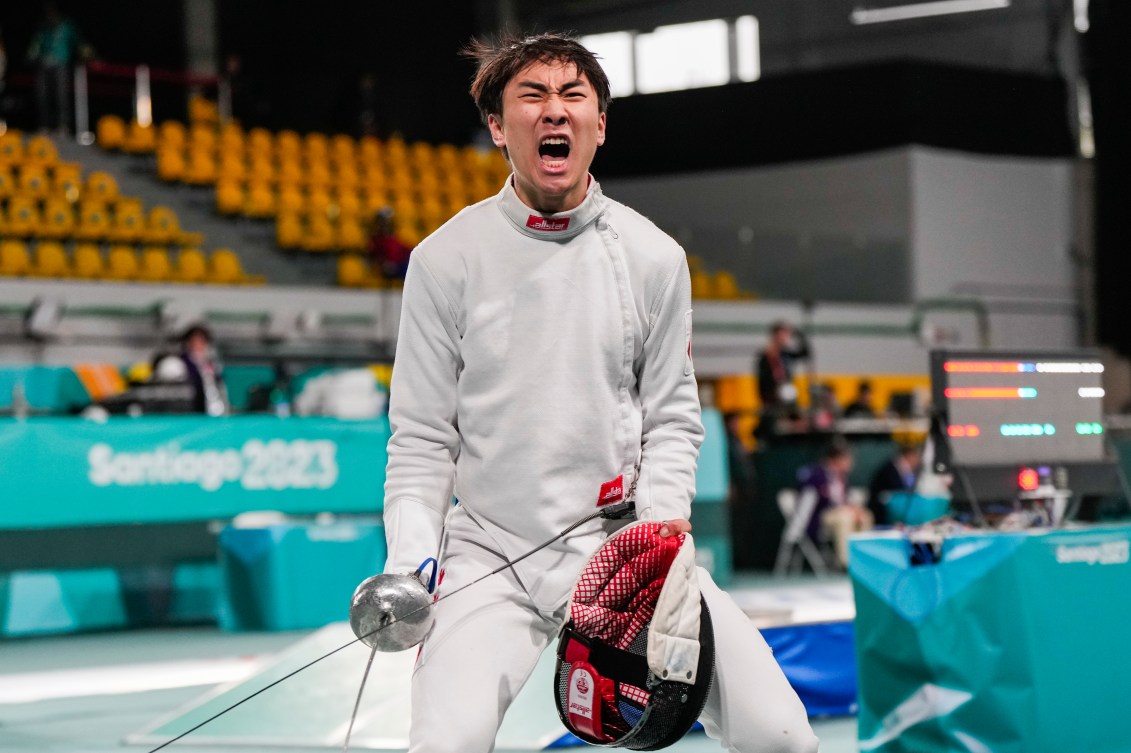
(23, 218)
(88, 263)
(66, 181)
(288, 145)
(289, 230)
(291, 172)
(347, 179)
(316, 148)
(232, 139)
(172, 134)
(318, 203)
(319, 234)
(202, 138)
(129, 221)
(225, 269)
(695, 263)
(318, 177)
(396, 152)
(121, 263)
(171, 164)
(291, 198)
(260, 143)
(41, 150)
(140, 139)
(102, 186)
(725, 286)
(447, 156)
(229, 196)
(155, 266)
(369, 149)
(94, 220)
(51, 260)
(348, 201)
(232, 167)
(351, 234)
(110, 132)
(354, 272)
(11, 146)
(33, 181)
(58, 218)
(201, 168)
(192, 266)
(7, 181)
(162, 227)
(262, 169)
(260, 202)
(374, 200)
(14, 258)
(203, 111)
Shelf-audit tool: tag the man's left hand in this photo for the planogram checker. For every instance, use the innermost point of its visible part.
(674, 527)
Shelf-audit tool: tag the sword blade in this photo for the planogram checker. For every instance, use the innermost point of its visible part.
(357, 703)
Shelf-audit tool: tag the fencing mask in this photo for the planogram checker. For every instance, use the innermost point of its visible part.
(636, 656)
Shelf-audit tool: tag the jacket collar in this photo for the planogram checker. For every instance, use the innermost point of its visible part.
(551, 227)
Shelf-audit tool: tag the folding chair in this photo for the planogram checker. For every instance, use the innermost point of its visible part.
(797, 509)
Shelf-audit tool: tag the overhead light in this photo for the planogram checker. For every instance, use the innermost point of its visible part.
(860, 16)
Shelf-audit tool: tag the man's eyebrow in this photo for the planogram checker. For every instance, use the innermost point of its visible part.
(539, 86)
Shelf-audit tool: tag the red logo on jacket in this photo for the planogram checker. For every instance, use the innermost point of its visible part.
(611, 491)
(534, 222)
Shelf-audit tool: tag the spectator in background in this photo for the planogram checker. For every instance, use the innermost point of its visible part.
(826, 409)
(834, 518)
(54, 48)
(861, 405)
(197, 365)
(388, 254)
(775, 376)
(898, 474)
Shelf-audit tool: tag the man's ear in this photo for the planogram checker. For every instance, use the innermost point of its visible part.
(495, 124)
(601, 129)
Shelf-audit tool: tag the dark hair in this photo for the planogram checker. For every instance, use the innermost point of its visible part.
(196, 329)
(502, 59)
(779, 326)
(837, 447)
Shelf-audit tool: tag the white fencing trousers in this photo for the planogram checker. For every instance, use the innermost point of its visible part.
(487, 640)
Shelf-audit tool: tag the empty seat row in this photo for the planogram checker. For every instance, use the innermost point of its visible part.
(37, 150)
(261, 200)
(63, 179)
(124, 221)
(156, 264)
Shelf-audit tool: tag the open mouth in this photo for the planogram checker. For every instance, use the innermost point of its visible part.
(553, 150)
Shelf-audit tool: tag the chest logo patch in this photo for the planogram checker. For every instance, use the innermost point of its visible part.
(611, 491)
(547, 224)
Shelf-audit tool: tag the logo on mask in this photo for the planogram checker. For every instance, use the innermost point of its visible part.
(582, 685)
(548, 224)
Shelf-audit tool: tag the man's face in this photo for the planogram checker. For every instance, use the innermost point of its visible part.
(551, 127)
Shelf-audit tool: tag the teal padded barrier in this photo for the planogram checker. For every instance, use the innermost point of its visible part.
(47, 389)
(295, 576)
(181, 468)
(44, 602)
(1010, 642)
(710, 515)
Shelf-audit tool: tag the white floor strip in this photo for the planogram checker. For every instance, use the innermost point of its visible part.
(28, 687)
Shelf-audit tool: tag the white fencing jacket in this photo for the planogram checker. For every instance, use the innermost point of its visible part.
(540, 358)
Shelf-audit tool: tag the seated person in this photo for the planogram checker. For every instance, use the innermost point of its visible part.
(861, 405)
(833, 517)
(896, 475)
(196, 364)
(387, 253)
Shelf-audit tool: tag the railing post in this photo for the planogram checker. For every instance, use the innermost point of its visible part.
(83, 134)
(143, 102)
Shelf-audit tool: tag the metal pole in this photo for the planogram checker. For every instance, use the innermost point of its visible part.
(143, 103)
(83, 134)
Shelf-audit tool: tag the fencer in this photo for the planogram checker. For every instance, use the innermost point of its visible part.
(543, 369)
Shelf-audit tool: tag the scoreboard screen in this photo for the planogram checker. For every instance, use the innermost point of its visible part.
(1010, 408)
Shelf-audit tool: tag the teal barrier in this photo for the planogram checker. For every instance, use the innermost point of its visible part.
(1011, 643)
(292, 577)
(47, 389)
(73, 472)
(710, 512)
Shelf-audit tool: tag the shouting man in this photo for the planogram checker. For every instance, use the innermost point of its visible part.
(544, 369)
